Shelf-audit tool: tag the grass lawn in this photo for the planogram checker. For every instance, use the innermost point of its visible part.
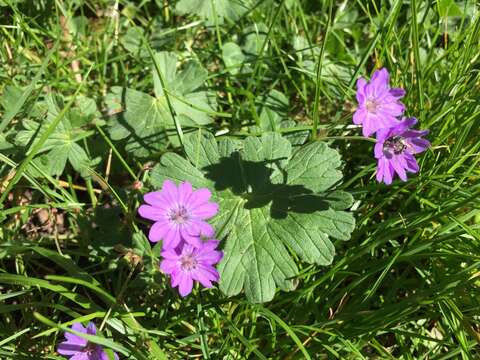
(104, 101)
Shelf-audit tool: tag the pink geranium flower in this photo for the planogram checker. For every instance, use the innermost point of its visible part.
(179, 213)
(187, 263)
(395, 150)
(79, 348)
(378, 104)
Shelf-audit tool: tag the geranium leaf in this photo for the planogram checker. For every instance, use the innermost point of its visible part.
(167, 64)
(273, 108)
(233, 57)
(314, 166)
(62, 143)
(254, 39)
(191, 78)
(173, 166)
(274, 201)
(224, 9)
(144, 134)
(145, 122)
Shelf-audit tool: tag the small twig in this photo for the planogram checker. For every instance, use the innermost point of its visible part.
(109, 164)
(166, 11)
(70, 53)
(77, 187)
(9, 52)
(116, 18)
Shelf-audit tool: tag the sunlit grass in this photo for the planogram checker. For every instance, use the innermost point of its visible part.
(405, 286)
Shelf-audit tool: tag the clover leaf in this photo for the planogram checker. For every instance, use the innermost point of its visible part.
(274, 202)
(145, 122)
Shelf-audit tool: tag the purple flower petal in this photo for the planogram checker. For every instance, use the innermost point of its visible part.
(199, 227)
(359, 116)
(404, 125)
(384, 171)
(178, 212)
(411, 164)
(78, 348)
(175, 277)
(391, 109)
(379, 83)
(388, 174)
(193, 240)
(361, 82)
(151, 213)
(185, 285)
(395, 148)
(172, 238)
(167, 266)
(205, 211)
(158, 231)
(184, 192)
(80, 356)
(208, 246)
(157, 199)
(201, 277)
(104, 356)
(199, 197)
(368, 125)
(170, 254)
(187, 263)
(375, 122)
(75, 339)
(69, 348)
(169, 190)
(378, 104)
(380, 169)
(210, 257)
(78, 327)
(398, 167)
(210, 272)
(378, 150)
(419, 145)
(397, 92)
(91, 329)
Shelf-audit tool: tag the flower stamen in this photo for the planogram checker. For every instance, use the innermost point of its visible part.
(188, 262)
(372, 105)
(395, 144)
(179, 215)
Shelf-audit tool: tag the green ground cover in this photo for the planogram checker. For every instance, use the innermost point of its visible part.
(102, 100)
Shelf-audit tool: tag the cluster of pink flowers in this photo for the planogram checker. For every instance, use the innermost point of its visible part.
(188, 250)
(380, 112)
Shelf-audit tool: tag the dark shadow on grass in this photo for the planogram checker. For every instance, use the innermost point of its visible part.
(103, 229)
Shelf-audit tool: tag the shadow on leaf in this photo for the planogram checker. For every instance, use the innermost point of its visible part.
(253, 182)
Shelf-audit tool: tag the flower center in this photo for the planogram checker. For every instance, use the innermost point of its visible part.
(90, 348)
(188, 262)
(395, 144)
(372, 105)
(179, 215)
